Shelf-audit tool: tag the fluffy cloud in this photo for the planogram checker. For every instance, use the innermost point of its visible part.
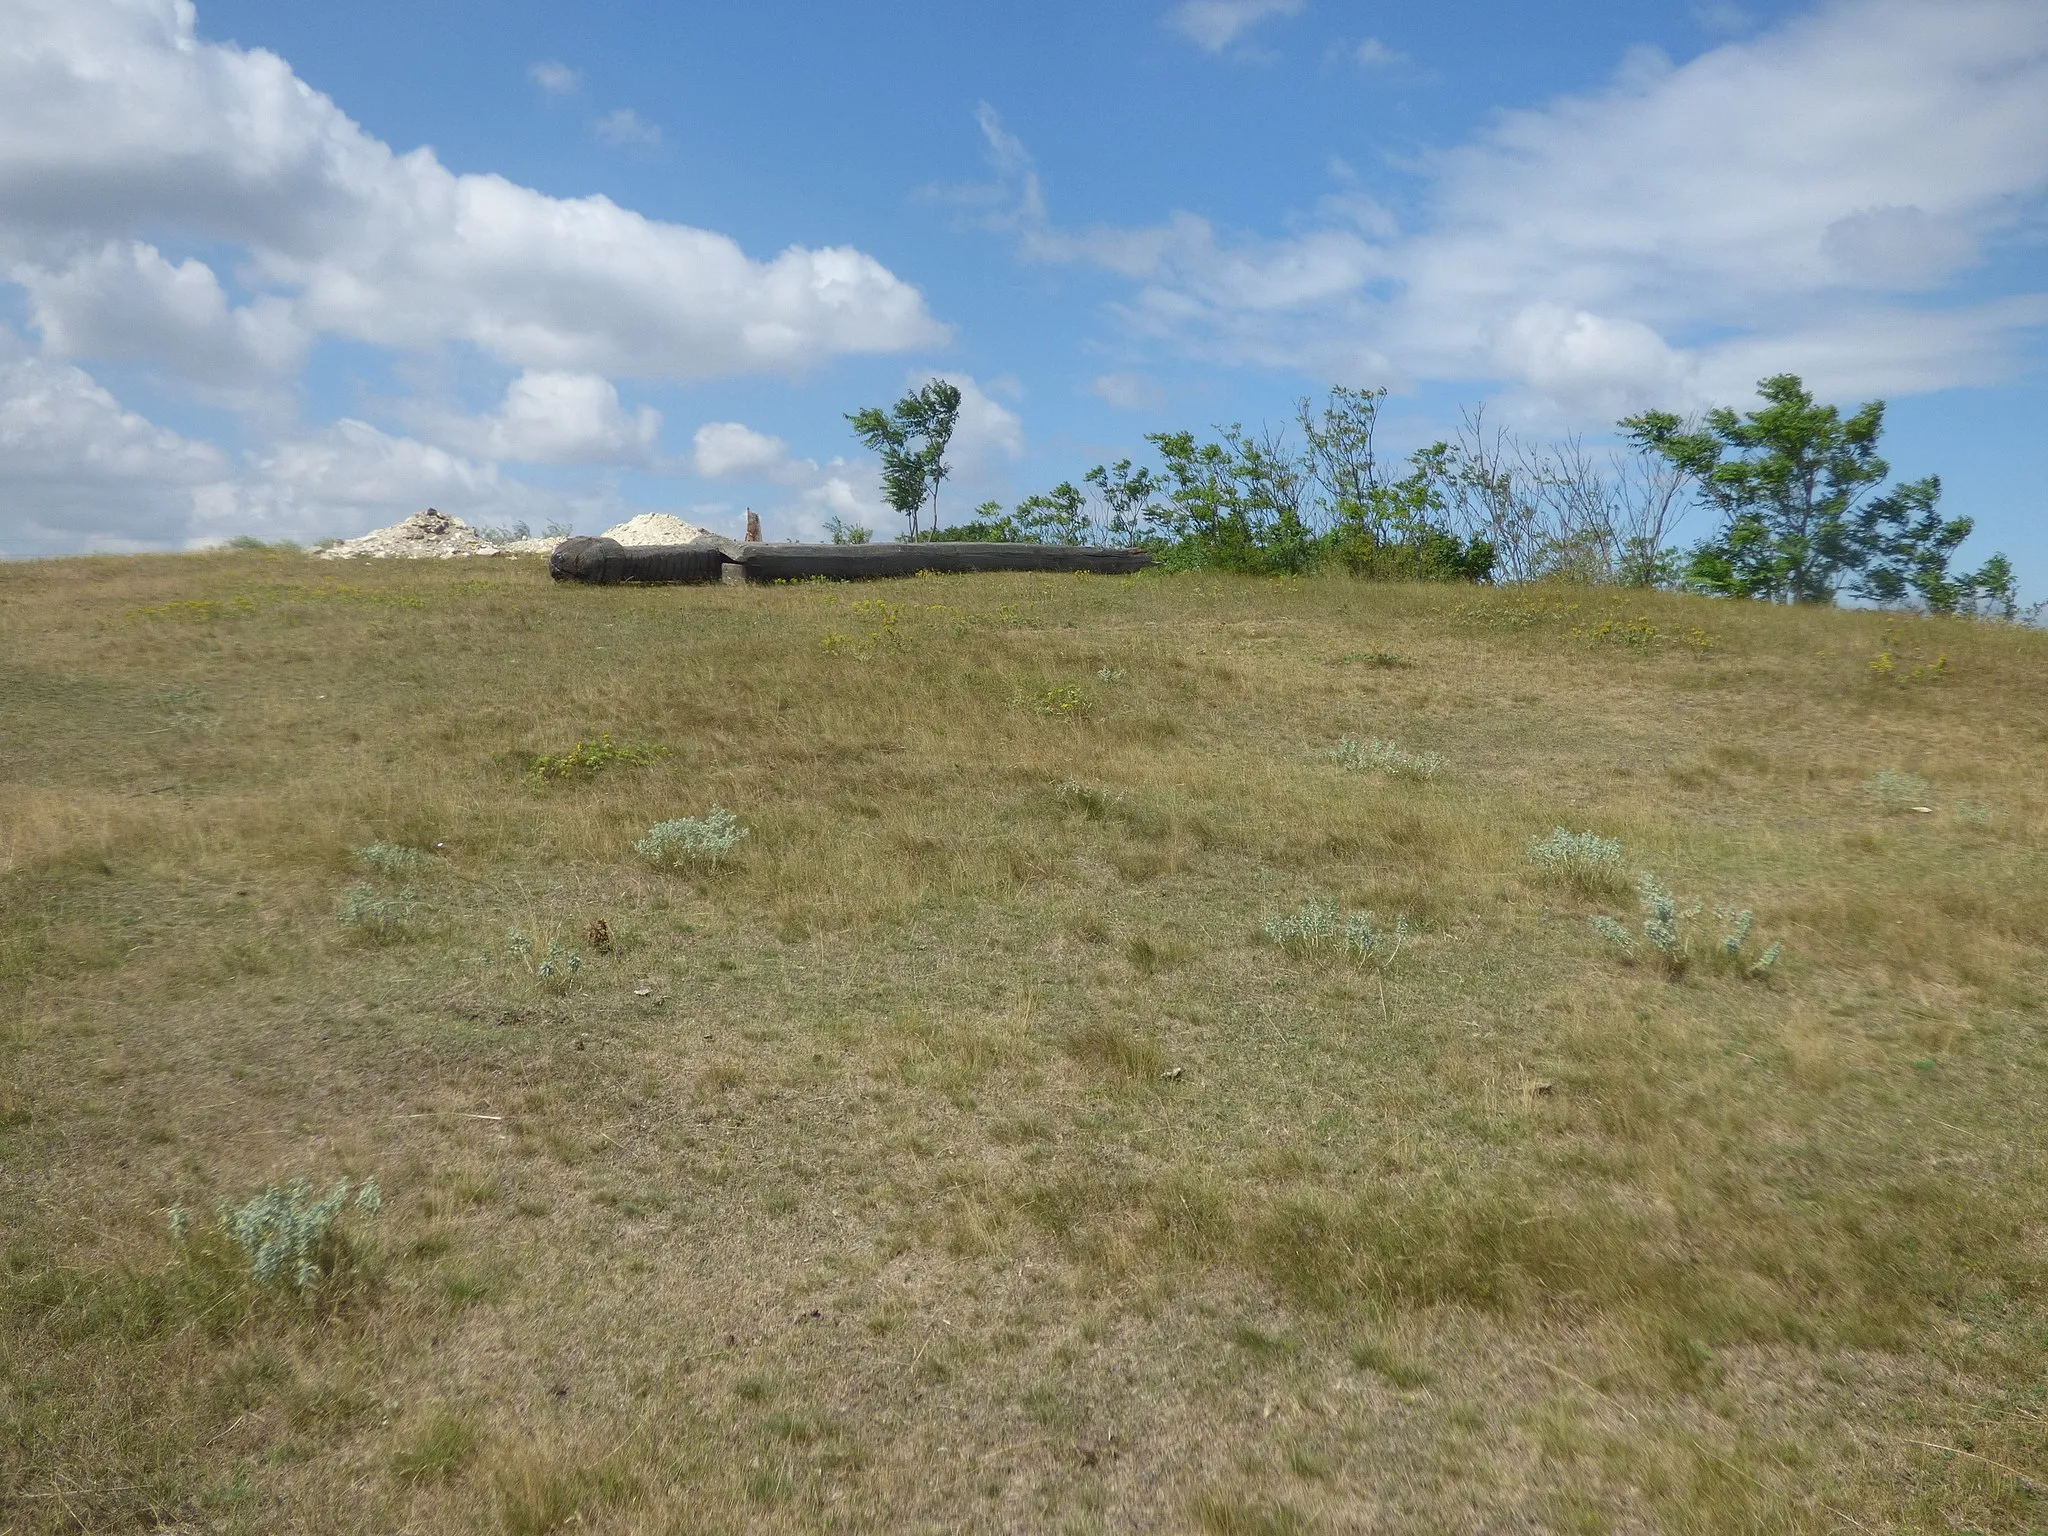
(729, 449)
(79, 472)
(117, 122)
(351, 477)
(195, 210)
(1213, 25)
(1770, 203)
(555, 418)
(125, 301)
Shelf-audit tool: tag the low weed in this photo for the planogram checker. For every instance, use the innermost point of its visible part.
(689, 840)
(1096, 804)
(1065, 702)
(1324, 930)
(377, 916)
(1896, 663)
(1894, 791)
(1670, 932)
(1582, 859)
(882, 620)
(394, 860)
(589, 758)
(1385, 757)
(289, 1239)
(556, 967)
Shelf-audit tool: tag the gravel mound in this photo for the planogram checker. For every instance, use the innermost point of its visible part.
(427, 535)
(651, 528)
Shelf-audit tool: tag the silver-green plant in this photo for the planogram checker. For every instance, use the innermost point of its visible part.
(692, 839)
(1666, 929)
(377, 914)
(1896, 791)
(1091, 801)
(286, 1235)
(557, 965)
(1376, 756)
(1323, 928)
(1583, 858)
(393, 859)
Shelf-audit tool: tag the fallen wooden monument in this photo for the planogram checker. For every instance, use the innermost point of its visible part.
(606, 562)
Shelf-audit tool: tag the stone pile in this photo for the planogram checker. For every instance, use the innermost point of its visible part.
(428, 535)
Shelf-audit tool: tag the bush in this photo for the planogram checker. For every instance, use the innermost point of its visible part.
(391, 859)
(1583, 859)
(375, 915)
(1376, 756)
(287, 1238)
(589, 758)
(1895, 791)
(692, 839)
(1668, 929)
(1324, 929)
(556, 966)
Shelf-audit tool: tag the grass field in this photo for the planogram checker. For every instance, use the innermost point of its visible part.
(1023, 1127)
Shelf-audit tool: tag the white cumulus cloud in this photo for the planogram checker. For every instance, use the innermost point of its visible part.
(119, 123)
(728, 449)
(125, 301)
(77, 471)
(552, 417)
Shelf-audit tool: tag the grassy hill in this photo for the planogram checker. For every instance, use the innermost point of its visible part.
(1025, 1126)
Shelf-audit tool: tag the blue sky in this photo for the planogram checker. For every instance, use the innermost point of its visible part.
(297, 270)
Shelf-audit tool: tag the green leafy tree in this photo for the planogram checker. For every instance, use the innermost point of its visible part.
(1795, 483)
(1235, 505)
(1393, 528)
(1906, 545)
(1058, 516)
(1127, 494)
(911, 438)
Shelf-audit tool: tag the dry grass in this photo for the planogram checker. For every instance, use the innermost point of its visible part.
(959, 1153)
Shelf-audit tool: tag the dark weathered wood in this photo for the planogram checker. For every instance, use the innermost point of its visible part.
(607, 562)
(865, 562)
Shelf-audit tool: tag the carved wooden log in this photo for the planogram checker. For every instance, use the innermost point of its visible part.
(607, 562)
(863, 562)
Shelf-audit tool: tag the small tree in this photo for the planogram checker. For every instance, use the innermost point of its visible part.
(1057, 516)
(1127, 495)
(1793, 482)
(911, 438)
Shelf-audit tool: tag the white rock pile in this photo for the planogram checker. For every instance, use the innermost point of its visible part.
(655, 528)
(428, 535)
(432, 535)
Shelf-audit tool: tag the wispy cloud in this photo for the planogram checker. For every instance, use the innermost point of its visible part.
(1374, 54)
(1213, 25)
(1652, 241)
(627, 128)
(555, 78)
